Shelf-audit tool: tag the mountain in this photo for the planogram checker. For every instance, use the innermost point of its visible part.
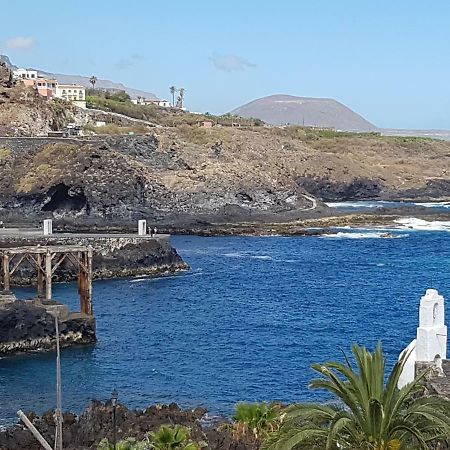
(308, 111)
(8, 62)
(84, 81)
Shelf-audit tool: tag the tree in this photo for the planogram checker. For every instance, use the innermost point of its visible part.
(173, 90)
(93, 80)
(173, 438)
(182, 91)
(255, 420)
(371, 415)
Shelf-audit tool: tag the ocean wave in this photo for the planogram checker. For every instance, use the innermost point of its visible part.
(368, 235)
(263, 257)
(412, 223)
(235, 255)
(433, 204)
(355, 204)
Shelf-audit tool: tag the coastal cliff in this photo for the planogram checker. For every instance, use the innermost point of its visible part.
(181, 178)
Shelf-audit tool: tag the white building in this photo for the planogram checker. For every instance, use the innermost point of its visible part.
(27, 74)
(163, 103)
(74, 93)
(145, 102)
(430, 345)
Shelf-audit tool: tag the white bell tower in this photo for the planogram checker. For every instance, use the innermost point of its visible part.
(430, 344)
(432, 332)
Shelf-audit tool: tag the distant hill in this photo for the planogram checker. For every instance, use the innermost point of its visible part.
(84, 81)
(308, 111)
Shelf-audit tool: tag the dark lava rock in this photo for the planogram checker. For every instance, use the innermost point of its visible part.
(25, 327)
(95, 423)
(6, 79)
(329, 190)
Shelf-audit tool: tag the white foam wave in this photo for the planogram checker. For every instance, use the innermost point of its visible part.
(369, 235)
(354, 204)
(433, 204)
(235, 255)
(412, 223)
(263, 257)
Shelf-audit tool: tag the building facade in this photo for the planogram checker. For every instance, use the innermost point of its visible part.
(25, 74)
(74, 93)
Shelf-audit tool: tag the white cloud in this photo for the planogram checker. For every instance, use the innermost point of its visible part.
(20, 43)
(230, 63)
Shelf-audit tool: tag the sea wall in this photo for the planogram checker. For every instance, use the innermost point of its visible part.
(114, 255)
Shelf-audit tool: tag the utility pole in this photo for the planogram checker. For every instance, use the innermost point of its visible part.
(58, 412)
(33, 430)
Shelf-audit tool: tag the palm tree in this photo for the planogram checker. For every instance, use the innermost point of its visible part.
(371, 415)
(255, 420)
(173, 438)
(181, 97)
(93, 80)
(173, 90)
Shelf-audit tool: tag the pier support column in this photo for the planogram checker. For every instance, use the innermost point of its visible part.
(40, 278)
(6, 274)
(48, 276)
(85, 282)
(89, 309)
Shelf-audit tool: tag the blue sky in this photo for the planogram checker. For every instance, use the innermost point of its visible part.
(387, 60)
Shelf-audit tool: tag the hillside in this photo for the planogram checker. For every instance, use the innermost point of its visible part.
(84, 81)
(24, 113)
(307, 111)
(176, 173)
(187, 175)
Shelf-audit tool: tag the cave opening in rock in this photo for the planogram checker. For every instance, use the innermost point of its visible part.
(66, 198)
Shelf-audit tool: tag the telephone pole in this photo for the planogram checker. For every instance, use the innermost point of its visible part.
(58, 412)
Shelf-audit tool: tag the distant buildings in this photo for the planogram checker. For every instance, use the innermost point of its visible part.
(145, 102)
(25, 74)
(50, 88)
(71, 92)
(206, 124)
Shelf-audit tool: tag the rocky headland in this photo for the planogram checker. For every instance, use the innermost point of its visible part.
(27, 326)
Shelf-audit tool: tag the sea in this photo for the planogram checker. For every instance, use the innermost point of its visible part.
(245, 323)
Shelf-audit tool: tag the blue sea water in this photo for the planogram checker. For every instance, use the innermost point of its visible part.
(244, 324)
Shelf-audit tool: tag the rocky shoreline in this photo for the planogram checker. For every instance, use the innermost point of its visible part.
(84, 432)
(27, 327)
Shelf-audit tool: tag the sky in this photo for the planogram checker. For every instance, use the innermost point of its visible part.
(387, 60)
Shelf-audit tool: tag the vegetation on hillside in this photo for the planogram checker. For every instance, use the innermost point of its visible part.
(120, 102)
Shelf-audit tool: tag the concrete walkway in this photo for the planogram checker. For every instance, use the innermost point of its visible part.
(123, 116)
(35, 232)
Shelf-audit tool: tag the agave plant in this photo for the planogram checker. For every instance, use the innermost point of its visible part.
(255, 420)
(372, 414)
(173, 438)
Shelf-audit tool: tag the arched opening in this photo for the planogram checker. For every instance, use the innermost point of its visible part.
(65, 198)
(435, 313)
